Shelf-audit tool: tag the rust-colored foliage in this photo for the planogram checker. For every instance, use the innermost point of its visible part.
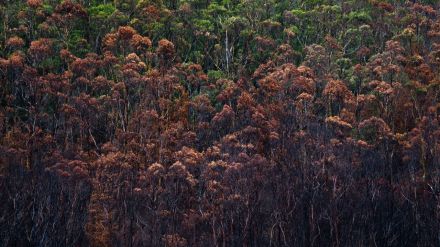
(34, 3)
(316, 126)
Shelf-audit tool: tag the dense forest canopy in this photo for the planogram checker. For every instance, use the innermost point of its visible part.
(219, 123)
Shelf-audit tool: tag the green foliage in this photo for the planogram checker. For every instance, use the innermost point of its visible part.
(47, 9)
(215, 9)
(51, 64)
(299, 13)
(359, 16)
(204, 25)
(235, 22)
(214, 75)
(102, 11)
(77, 43)
(293, 29)
(334, 9)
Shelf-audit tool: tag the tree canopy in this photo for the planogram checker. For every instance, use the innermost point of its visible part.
(219, 123)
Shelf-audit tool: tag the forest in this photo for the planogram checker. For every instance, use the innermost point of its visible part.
(219, 123)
